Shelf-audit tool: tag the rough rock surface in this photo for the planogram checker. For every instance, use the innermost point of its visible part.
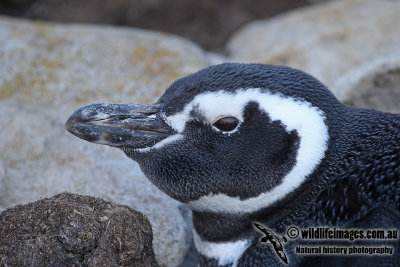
(374, 85)
(49, 70)
(73, 230)
(66, 66)
(326, 40)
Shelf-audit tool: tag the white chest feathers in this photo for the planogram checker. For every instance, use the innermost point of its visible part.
(224, 252)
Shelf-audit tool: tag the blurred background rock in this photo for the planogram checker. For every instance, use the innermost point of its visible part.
(208, 23)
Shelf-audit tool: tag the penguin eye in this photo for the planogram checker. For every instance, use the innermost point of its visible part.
(226, 124)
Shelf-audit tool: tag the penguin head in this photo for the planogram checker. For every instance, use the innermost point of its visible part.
(231, 138)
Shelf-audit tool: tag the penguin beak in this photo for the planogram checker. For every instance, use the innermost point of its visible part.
(119, 125)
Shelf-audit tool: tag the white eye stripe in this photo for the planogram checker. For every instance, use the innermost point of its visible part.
(293, 113)
(212, 107)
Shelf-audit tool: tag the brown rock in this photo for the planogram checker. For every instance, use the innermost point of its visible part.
(74, 230)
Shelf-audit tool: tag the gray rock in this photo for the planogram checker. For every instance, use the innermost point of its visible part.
(64, 66)
(325, 40)
(374, 85)
(47, 71)
(73, 230)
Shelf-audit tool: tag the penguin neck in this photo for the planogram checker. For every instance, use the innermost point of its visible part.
(221, 239)
(215, 227)
(363, 171)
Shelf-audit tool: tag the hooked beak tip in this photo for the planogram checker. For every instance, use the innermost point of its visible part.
(70, 122)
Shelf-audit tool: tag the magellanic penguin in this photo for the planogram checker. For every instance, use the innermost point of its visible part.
(245, 143)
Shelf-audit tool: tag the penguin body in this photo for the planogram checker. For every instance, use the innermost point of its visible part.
(245, 143)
